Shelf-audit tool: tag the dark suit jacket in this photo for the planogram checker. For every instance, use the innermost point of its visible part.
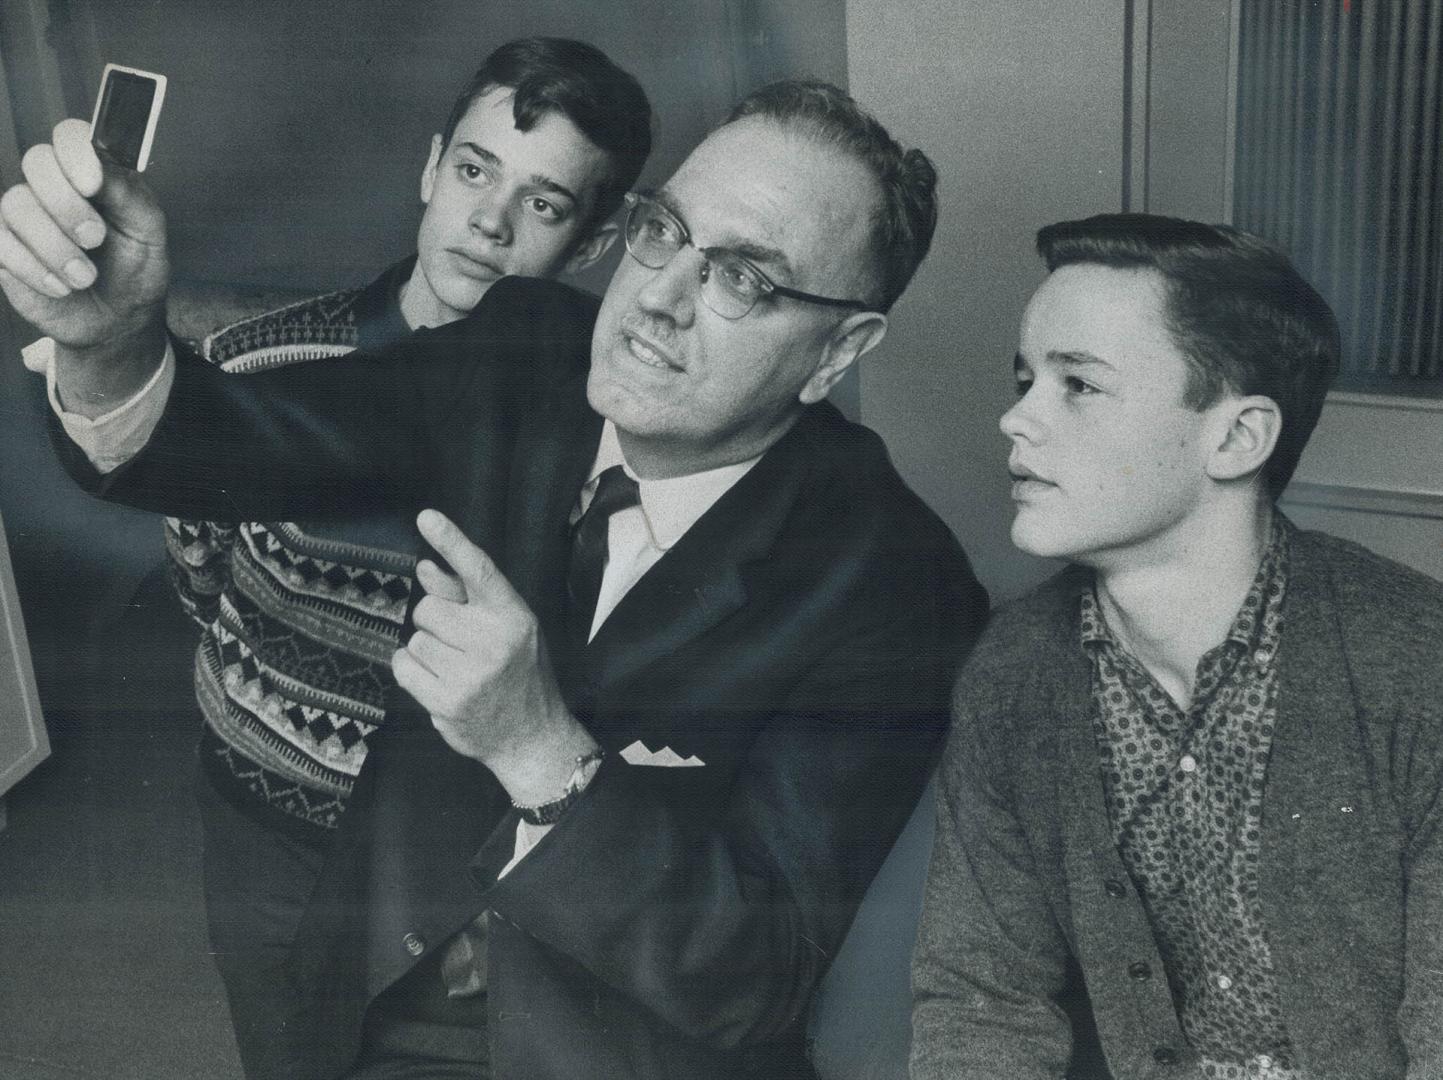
(799, 639)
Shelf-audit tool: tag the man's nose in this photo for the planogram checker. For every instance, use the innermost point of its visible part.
(491, 218)
(672, 291)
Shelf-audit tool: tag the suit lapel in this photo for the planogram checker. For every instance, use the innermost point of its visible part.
(701, 580)
(554, 452)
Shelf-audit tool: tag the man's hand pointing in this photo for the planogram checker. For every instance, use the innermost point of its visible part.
(477, 663)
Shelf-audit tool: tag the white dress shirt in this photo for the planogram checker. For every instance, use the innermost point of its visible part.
(636, 539)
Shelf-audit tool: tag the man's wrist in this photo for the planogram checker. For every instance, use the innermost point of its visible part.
(538, 771)
(92, 380)
(548, 813)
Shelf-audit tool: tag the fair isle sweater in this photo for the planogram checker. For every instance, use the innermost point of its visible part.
(298, 620)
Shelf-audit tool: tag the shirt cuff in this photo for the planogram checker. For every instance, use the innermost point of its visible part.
(112, 439)
(527, 837)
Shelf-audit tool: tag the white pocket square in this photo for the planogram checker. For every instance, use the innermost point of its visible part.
(638, 754)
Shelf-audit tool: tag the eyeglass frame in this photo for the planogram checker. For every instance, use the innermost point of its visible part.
(636, 199)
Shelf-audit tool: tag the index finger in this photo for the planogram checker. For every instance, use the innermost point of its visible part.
(478, 573)
(69, 210)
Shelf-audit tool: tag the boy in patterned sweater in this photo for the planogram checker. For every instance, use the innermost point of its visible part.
(299, 620)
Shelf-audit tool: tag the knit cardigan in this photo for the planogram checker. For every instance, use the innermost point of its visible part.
(1025, 881)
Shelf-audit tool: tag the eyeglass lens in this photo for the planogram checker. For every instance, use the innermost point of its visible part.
(653, 236)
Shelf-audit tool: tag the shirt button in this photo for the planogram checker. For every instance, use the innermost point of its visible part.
(1224, 983)
(1187, 763)
(414, 944)
(1261, 657)
(1114, 888)
(1140, 971)
(1165, 1055)
(1264, 1061)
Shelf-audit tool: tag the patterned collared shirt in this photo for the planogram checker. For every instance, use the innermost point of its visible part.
(1184, 793)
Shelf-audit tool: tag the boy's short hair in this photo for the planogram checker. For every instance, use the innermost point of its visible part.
(906, 216)
(579, 81)
(1242, 315)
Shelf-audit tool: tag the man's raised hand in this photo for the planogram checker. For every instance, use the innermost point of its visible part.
(477, 663)
(82, 245)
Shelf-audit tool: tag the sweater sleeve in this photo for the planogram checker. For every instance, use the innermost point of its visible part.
(990, 958)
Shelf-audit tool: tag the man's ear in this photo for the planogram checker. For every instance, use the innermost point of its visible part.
(593, 247)
(428, 174)
(853, 338)
(1252, 427)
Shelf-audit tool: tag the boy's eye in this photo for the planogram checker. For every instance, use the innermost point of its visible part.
(1077, 386)
(544, 208)
(1023, 385)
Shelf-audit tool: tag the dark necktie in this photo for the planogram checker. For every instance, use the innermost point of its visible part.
(614, 491)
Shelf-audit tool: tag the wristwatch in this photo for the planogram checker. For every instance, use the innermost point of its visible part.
(548, 813)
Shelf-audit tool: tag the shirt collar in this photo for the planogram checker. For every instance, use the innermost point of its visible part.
(670, 506)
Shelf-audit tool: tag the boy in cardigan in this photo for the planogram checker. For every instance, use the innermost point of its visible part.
(300, 620)
(1202, 765)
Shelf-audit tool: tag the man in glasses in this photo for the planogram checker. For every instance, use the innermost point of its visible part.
(683, 660)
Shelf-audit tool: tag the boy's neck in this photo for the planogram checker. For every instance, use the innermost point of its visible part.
(1170, 609)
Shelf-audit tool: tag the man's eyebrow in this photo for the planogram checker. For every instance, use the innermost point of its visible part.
(765, 256)
(477, 150)
(1076, 358)
(544, 182)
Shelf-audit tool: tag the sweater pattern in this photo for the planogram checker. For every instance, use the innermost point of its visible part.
(297, 629)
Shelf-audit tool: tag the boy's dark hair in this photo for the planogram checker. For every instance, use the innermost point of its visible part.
(1242, 315)
(579, 81)
(906, 214)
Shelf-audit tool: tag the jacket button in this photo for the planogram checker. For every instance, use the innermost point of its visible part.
(1140, 971)
(414, 944)
(1165, 1055)
(1114, 888)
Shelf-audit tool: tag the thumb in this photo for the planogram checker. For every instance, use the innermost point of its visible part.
(129, 206)
(121, 195)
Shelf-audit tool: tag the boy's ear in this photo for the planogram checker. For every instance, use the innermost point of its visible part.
(1253, 425)
(428, 174)
(597, 244)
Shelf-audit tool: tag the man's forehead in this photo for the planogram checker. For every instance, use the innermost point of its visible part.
(755, 182)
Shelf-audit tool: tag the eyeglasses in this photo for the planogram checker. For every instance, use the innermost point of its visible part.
(730, 285)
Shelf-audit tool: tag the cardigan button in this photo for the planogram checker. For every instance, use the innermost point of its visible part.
(414, 944)
(1165, 1055)
(1114, 888)
(1140, 970)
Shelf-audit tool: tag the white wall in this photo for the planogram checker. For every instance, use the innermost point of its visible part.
(1026, 110)
(1019, 104)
